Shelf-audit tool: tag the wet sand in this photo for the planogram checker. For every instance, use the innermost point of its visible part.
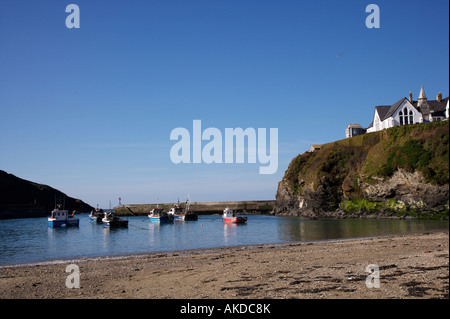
(410, 266)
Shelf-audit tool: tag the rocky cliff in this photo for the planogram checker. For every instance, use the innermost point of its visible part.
(20, 198)
(402, 172)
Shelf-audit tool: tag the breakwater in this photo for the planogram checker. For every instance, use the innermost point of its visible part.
(203, 208)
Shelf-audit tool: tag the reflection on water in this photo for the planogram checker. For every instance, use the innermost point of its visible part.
(300, 229)
(230, 232)
(30, 240)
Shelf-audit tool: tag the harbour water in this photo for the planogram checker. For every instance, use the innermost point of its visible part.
(31, 240)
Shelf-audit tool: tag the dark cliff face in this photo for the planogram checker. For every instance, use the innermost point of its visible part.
(18, 195)
(402, 171)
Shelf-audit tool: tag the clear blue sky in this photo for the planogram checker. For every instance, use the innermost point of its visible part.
(89, 111)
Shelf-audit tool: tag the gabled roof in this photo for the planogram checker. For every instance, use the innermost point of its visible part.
(394, 107)
(385, 111)
(382, 111)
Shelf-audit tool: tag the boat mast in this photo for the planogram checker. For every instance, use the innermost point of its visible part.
(188, 205)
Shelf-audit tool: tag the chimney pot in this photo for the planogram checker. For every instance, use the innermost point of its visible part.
(439, 97)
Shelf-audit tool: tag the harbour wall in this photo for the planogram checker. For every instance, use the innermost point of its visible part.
(203, 208)
(21, 211)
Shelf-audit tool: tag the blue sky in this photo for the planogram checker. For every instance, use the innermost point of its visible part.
(89, 111)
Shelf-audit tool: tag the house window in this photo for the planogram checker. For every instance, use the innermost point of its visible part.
(406, 117)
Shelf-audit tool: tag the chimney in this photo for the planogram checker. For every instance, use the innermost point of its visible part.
(439, 97)
(410, 97)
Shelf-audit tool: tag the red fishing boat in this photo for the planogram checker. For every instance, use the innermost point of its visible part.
(229, 217)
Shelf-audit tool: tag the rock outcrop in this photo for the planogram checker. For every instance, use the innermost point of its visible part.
(409, 188)
(396, 173)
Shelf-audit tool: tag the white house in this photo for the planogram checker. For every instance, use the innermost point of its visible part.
(400, 113)
(446, 111)
(407, 111)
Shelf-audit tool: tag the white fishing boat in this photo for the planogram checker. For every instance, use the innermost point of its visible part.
(97, 215)
(111, 220)
(180, 213)
(61, 217)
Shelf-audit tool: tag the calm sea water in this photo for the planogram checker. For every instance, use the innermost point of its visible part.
(31, 240)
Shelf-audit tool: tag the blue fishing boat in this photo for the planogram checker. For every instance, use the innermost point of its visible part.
(182, 214)
(97, 215)
(158, 215)
(60, 217)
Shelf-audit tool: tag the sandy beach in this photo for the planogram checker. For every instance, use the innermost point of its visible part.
(410, 266)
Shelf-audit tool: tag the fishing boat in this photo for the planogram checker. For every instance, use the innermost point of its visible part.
(185, 214)
(111, 220)
(229, 217)
(61, 217)
(97, 215)
(160, 216)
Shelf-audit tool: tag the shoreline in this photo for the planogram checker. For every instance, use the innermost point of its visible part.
(411, 266)
(197, 251)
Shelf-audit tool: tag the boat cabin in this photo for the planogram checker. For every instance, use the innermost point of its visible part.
(59, 214)
(228, 213)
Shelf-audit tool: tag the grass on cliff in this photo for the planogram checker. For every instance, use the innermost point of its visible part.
(397, 208)
(345, 163)
(422, 147)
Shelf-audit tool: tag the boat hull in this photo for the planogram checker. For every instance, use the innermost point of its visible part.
(157, 219)
(236, 220)
(64, 222)
(114, 223)
(95, 219)
(188, 217)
